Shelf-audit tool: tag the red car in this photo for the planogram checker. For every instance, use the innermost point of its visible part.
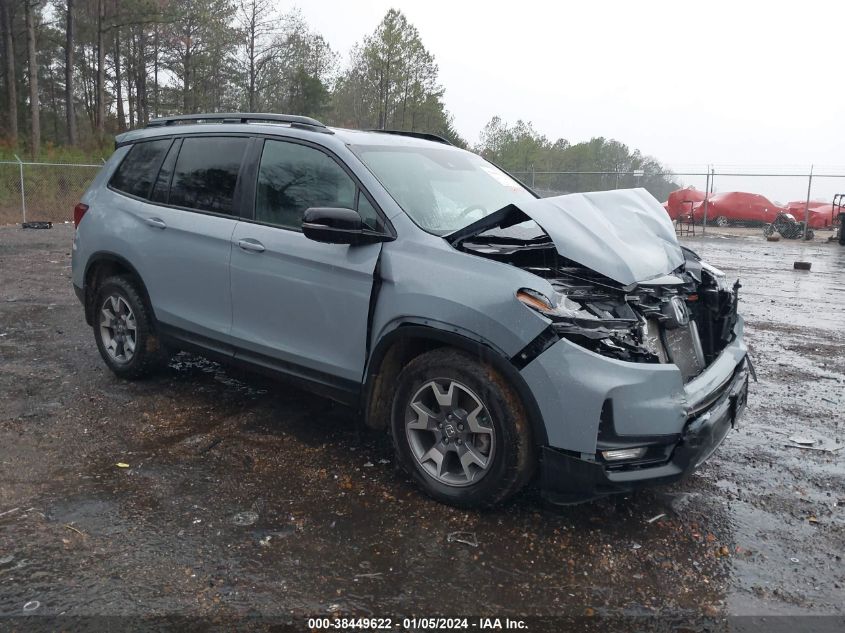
(737, 207)
(682, 201)
(821, 213)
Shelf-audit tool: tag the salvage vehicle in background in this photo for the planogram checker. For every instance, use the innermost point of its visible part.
(821, 214)
(494, 334)
(788, 227)
(738, 208)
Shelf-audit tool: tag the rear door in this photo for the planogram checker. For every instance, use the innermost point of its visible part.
(184, 235)
(299, 305)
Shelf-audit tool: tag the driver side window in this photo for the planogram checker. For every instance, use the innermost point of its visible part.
(293, 178)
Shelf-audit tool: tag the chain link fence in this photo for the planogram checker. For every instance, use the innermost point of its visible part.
(788, 187)
(32, 192)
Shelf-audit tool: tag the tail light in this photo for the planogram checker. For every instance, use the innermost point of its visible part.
(78, 211)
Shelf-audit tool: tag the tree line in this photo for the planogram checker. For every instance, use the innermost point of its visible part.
(76, 72)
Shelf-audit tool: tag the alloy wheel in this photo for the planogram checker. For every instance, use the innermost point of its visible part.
(118, 329)
(450, 432)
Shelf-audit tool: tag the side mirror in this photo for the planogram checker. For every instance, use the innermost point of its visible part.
(337, 226)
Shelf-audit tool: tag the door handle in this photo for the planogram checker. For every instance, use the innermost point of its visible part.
(156, 222)
(251, 245)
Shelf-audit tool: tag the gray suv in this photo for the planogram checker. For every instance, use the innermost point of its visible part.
(499, 336)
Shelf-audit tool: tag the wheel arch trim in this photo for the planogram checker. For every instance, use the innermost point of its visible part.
(439, 334)
(98, 258)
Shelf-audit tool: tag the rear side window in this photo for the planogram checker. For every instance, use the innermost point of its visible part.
(206, 173)
(293, 178)
(162, 186)
(138, 170)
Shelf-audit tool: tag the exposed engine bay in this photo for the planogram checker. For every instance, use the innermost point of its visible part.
(685, 317)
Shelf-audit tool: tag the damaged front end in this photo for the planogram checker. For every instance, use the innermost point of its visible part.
(619, 291)
(686, 317)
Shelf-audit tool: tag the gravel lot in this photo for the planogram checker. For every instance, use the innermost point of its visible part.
(247, 497)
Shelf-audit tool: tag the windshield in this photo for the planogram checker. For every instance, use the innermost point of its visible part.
(442, 188)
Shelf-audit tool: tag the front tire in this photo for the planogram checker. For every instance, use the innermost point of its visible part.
(460, 431)
(124, 330)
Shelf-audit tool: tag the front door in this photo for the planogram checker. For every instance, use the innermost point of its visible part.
(299, 305)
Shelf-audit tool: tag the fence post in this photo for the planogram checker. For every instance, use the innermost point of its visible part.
(706, 196)
(23, 191)
(807, 206)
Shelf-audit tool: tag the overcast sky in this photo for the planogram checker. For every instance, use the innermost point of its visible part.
(753, 85)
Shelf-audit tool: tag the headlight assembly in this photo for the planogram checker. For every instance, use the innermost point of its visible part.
(567, 313)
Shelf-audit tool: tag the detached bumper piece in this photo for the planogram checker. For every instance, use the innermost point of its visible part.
(569, 478)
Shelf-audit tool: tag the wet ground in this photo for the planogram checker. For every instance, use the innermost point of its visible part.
(247, 497)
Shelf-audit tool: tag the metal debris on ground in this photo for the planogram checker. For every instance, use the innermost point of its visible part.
(802, 265)
(2, 514)
(658, 517)
(30, 606)
(803, 441)
(36, 225)
(73, 529)
(467, 538)
(122, 465)
(810, 448)
(245, 518)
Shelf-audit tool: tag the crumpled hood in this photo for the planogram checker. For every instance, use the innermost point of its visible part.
(624, 234)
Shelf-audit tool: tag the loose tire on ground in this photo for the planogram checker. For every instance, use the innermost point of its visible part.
(502, 425)
(135, 351)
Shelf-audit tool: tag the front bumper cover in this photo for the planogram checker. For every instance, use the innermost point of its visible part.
(570, 478)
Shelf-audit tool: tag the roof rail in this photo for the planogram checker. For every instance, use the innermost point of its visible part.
(423, 135)
(293, 120)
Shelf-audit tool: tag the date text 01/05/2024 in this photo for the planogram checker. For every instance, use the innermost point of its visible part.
(415, 624)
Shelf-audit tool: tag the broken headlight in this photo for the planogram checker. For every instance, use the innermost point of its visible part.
(720, 279)
(590, 324)
(567, 311)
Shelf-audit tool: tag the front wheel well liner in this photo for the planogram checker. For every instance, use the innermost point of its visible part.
(399, 346)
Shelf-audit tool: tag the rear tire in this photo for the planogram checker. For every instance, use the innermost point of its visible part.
(125, 331)
(460, 431)
(721, 221)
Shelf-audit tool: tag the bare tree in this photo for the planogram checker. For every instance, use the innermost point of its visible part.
(11, 87)
(255, 19)
(34, 104)
(100, 100)
(118, 82)
(69, 43)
